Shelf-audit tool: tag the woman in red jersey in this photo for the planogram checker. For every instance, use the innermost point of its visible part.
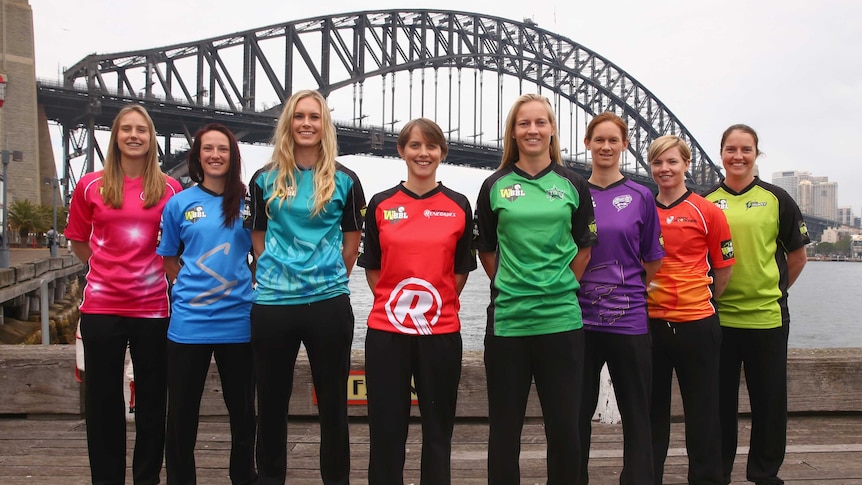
(416, 257)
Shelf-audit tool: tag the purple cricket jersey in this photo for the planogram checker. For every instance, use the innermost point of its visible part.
(613, 294)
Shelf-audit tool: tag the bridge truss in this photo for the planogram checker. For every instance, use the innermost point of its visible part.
(378, 70)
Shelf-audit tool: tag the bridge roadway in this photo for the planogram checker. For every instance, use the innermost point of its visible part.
(71, 106)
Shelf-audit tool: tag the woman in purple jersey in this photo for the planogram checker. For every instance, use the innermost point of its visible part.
(613, 298)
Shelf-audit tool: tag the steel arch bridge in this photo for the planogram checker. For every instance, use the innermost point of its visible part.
(363, 61)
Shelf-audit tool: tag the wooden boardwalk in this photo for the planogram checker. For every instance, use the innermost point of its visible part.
(822, 449)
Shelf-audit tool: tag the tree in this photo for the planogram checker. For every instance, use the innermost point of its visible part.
(26, 217)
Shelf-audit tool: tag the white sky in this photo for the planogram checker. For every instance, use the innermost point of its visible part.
(792, 69)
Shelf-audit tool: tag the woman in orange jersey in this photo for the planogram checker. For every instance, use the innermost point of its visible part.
(686, 335)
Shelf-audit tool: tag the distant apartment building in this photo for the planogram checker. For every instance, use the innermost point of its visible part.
(816, 196)
(845, 216)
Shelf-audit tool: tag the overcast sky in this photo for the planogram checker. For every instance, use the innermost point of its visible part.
(792, 69)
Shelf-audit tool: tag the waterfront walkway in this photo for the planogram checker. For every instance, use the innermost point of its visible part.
(824, 449)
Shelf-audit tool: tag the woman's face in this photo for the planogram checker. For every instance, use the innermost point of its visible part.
(133, 136)
(668, 169)
(533, 130)
(739, 154)
(307, 125)
(421, 155)
(606, 145)
(215, 154)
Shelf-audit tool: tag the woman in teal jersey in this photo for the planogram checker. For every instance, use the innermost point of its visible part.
(535, 231)
(306, 217)
(210, 305)
(769, 238)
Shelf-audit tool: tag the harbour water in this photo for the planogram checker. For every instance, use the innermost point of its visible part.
(825, 306)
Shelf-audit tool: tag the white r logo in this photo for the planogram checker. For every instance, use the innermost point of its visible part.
(416, 298)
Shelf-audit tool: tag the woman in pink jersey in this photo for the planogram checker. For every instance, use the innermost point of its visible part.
(683, 323)
(114, 226)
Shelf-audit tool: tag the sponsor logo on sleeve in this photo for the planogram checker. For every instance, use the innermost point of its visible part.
(727, 249)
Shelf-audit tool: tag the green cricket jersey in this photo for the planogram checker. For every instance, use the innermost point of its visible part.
(766, 224)
(535, 224)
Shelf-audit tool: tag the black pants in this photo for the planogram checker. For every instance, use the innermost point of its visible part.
(326, 330)
(693, 350)
(629, 359)
(434, 361)
(105, 338)
(511, 363)
(188, 366)
(763, 355)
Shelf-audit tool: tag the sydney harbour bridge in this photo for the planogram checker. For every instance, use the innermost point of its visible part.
(378, 69)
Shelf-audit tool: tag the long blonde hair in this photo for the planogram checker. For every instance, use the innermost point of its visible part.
(112, 173)
(510, 147)
(283, 160)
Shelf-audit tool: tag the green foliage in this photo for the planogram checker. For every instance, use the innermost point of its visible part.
(26, 217)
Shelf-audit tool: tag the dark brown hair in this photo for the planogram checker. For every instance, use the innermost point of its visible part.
(234, 189)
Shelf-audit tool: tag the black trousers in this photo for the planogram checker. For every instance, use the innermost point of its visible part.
(692, 349)
(629, 359)
(188, 365)
(763, 355)
(326, 330)
(105, 338)
(555, 361)
(434, 361)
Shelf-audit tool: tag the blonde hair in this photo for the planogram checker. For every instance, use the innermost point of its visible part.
(283, 161)
(510, 147)
(665, 143)
(112, 173)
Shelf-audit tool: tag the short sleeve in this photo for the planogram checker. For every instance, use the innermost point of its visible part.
(718, 237)
(650, 242)
(80, 214)
(354, 206)
(584, 219)
(257, 219)
(170, 240)
(371, 253)
(792, 232)
(485, 225)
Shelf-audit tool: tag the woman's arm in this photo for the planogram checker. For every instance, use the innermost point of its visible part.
(372, 276)
(651, 268)
(796, 260)
(488, 259)
(720, 277)
(172, 266)
(82, 250)
(350, 249)
(460, 281)
(582, 259)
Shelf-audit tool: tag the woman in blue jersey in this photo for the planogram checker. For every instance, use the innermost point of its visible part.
(769, 238)
(535, 231)
(202, 227)
(613, 298)
(306, 218)
(416, 257)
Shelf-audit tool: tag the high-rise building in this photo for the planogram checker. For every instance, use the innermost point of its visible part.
(816, 196)
(845, 216)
